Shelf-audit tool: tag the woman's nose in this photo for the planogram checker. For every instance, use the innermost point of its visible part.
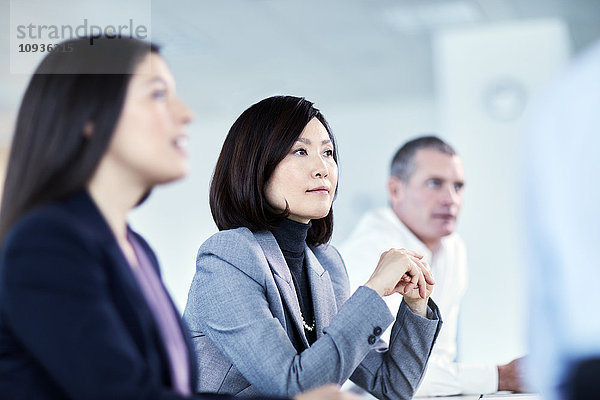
(184, 113)
(320, 169)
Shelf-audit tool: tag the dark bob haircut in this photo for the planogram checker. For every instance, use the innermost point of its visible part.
(258, 140)
(76, 85)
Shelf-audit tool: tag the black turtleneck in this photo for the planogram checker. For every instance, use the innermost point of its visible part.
(291, 237)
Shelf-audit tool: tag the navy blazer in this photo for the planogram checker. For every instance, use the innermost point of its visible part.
(73, 321)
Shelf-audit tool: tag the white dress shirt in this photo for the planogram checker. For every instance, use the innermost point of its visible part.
(381, 230)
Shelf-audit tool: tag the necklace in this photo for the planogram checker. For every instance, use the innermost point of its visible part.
(307, 327)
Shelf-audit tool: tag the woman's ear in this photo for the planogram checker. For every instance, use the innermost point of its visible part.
(88, 130)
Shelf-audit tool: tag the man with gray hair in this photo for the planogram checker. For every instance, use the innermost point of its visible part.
(426, 194)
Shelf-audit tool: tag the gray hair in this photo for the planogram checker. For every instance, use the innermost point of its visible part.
(402, 164)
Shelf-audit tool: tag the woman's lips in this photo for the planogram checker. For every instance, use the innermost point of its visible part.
(181, 143)
(320, 190)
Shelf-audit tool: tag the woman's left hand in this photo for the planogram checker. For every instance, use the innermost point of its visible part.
(412, 297)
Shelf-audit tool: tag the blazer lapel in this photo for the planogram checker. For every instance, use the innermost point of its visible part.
(140, 309)
(322, 292)
(135, 297)
(82, 205)
(129, 294)
(283, 278)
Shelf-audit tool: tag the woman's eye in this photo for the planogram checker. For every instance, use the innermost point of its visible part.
(301, 152)
(328, 153)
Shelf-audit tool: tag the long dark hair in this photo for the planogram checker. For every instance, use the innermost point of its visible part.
(258, 140)
(76, 85)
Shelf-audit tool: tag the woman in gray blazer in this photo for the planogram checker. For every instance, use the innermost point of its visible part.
(270, 307)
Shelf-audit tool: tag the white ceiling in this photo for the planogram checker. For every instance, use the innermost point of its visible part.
(227, 54)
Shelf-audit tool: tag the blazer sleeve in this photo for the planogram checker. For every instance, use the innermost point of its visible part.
(394, 371)
(56, 301)
(229, 303)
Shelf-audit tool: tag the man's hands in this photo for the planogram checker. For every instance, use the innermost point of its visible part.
(403, 271)
(511, 376)
(327, 392)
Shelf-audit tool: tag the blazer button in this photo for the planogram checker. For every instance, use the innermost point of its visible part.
(372, 339)
(377, 331)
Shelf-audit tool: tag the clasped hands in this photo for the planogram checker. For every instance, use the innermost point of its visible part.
(403, 271)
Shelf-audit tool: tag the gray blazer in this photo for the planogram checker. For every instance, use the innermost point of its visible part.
(237, 307)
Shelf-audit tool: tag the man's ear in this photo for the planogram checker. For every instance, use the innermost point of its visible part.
(395, 189)
(88, 130)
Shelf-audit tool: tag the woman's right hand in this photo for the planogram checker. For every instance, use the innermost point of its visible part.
(399, 271)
